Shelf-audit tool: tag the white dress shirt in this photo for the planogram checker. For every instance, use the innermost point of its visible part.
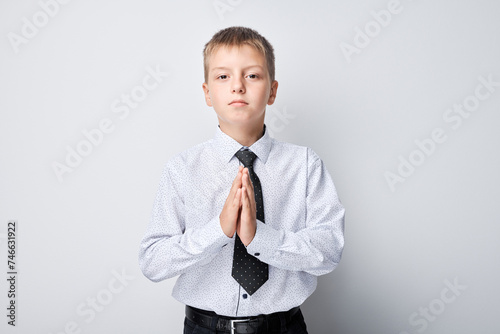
(302, 238)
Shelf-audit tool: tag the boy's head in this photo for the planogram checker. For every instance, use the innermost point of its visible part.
(239, 36)
(239, 78)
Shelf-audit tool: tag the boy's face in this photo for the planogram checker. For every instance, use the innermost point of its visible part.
(239, 86)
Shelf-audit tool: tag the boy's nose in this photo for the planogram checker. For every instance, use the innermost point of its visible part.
(238, 86)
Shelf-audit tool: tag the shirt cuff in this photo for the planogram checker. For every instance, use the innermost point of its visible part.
(265, 242)
(213, 231)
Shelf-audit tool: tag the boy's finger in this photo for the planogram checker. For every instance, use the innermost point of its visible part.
(237, 181)
(249, 185)
(237, 197)
(238, 175)
(248, 203)
(244, 197)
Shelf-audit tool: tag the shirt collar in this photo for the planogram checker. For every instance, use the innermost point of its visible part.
(227, 146)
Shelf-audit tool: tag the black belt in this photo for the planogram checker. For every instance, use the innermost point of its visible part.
(239, 325)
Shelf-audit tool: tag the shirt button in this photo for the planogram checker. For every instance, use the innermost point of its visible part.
(245, 296)
(257, 254)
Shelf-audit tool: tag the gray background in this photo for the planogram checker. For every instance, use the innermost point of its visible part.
(359, 114)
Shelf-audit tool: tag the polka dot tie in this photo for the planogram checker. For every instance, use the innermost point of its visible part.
(248, 271)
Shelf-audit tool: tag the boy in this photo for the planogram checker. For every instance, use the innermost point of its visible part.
(248, 247)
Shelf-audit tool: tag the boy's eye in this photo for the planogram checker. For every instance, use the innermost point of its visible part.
(252, 76)
(223, 76)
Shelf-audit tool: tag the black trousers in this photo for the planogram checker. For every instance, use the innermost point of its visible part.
(295, 326)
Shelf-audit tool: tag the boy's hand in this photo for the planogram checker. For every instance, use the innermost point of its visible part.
(230, 212)
(247, 223)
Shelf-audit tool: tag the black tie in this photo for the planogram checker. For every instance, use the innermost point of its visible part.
(248, 271)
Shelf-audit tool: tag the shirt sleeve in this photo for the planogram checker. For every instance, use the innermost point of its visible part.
(318, 247)
(168, 248)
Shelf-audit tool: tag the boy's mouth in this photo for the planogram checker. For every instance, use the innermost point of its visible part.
(238, 103)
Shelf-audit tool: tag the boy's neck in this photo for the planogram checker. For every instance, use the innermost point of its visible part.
(245, 135)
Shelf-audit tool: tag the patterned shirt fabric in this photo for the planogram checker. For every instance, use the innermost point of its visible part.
(302, 238)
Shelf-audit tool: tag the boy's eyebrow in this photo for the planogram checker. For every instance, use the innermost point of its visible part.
(227, 68)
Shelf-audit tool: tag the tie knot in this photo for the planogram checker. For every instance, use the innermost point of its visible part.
(246, 157)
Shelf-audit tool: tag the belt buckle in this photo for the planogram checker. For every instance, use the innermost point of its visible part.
(232, 321)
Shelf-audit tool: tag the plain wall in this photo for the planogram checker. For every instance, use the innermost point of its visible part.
(399, 108)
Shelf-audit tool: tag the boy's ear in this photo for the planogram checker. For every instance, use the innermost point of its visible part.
(272, 94)
(207, 95)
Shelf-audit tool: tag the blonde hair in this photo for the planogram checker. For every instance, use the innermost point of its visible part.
(239, 36)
